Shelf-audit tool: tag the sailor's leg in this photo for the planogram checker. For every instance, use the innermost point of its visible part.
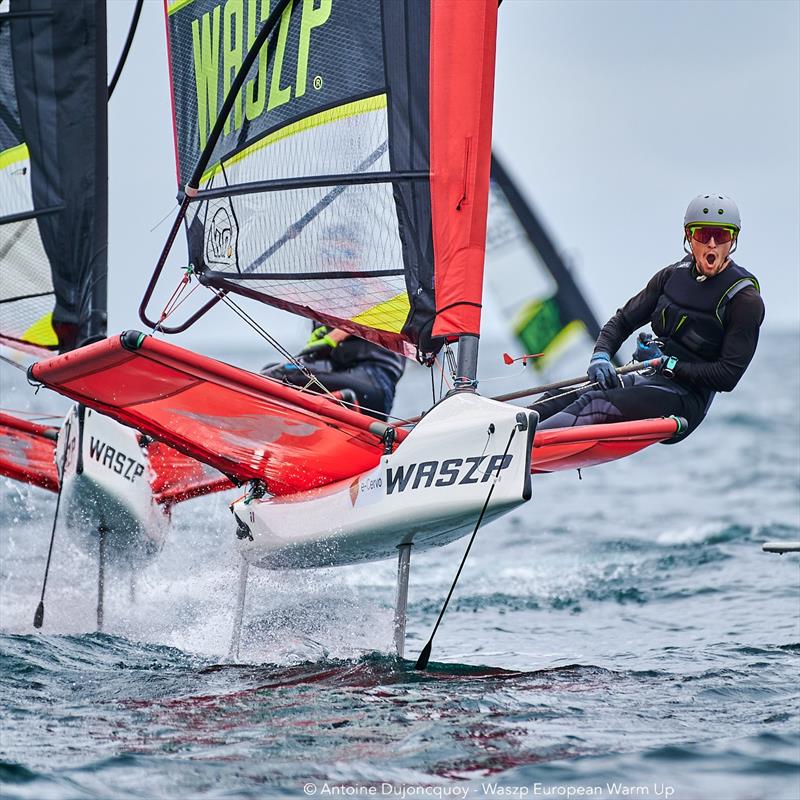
(401, 600)
(236, 635)
(638, 398)
(102, 544)
(551, 403)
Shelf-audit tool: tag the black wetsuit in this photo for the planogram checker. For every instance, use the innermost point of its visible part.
(711, 326)
(371, 371)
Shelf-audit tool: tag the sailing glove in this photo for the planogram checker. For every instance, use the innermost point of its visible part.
(319, 345)
(602, 371)
(647, 348)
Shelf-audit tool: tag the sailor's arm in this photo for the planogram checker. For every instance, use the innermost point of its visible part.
(635, 313)
(745, 315)
(338, 335)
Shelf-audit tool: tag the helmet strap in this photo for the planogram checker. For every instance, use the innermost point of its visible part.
(686, 248)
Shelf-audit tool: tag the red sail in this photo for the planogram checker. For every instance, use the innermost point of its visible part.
(463, 38)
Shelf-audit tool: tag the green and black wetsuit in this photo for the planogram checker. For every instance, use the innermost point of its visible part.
(710, 325)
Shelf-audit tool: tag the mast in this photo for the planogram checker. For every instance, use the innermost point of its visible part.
(97, 321)
(467, 370)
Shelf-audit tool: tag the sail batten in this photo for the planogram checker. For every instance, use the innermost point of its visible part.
(284, 184)
(328, 185)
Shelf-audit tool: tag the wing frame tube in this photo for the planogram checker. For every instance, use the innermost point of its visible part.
(26, 426)
(32, 214)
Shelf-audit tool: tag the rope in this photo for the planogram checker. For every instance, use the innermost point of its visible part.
(563, 394)
(180, 302)
(172, 303)
(14, 364)
(33, 416)
(424, 656)
(165, 217)
(271, 340)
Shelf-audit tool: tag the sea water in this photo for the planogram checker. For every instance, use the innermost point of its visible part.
(622, 635)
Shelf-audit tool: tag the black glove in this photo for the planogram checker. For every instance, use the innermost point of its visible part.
(647, 348)
(602, 371)
(282, 372)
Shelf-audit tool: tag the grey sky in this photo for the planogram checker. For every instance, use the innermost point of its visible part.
(612, 115)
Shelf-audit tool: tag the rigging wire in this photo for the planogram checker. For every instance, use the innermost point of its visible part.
(38, 617)
(424, 656)
(175, 298)
(179, 303)
(271, 340)
(165, 217)
(14, 364)
(442, 380)
(580, 388)
(32, 416)
(126, 47)
(312, 379)
(173, 303)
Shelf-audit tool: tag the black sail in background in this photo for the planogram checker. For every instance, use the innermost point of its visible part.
(53, 169)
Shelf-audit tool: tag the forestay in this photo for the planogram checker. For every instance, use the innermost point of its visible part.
(349, 181)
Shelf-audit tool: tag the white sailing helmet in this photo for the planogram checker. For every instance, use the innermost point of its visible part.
(713, 209)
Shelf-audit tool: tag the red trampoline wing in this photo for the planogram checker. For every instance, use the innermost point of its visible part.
(244, 425)
(176, 477)
(26, 452)
(584, 446)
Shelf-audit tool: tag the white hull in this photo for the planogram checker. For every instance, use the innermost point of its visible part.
(428, 493)
(106, 485)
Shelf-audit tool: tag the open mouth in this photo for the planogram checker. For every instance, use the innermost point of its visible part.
(711, 259)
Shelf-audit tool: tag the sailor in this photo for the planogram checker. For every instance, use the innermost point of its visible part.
(362, 374)
(705, 311)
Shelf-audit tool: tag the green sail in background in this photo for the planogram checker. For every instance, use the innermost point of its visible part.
(529, 278)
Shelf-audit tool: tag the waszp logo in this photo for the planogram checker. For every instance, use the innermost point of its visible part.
(115, 460)
(450, 472)
(221, 39)
(221, 235)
